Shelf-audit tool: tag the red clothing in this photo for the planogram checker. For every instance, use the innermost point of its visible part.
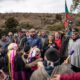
(73, 76)
(58, 43)
(35, 67)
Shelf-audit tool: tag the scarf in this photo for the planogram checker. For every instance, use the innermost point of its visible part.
(11, 57)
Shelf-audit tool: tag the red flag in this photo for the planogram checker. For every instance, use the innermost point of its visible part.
(66, 24)
(68, 17)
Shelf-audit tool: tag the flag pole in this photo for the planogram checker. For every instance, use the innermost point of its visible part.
(68, 20)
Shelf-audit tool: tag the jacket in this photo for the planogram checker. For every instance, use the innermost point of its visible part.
(36, 41)
(73, 76)
(40, 74)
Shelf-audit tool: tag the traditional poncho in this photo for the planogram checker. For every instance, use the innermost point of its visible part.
(75, 57)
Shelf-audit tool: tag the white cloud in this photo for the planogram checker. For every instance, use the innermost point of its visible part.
(46, 6)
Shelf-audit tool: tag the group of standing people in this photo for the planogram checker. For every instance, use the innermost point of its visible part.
(33, 55)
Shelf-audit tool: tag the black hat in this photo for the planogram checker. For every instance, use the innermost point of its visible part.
(52, 55)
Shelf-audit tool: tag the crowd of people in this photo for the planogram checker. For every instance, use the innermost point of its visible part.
(33, 55)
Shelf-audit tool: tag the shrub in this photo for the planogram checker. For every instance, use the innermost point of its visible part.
(58, 17)
(25, 25)
(77, 23)
(56, 27)
(11, 24)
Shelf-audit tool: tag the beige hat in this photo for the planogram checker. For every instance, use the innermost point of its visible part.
(10, 33)
(32, 30)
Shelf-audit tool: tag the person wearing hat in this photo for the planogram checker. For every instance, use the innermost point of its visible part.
(34, 40)
(74, 45)
(46, 68)
(50, 66)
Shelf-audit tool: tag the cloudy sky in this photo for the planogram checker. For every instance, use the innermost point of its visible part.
(38, 6)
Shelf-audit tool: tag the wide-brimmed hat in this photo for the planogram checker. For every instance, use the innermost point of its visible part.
(52, 55)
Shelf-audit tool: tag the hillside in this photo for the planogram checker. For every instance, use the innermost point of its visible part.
(37, 20)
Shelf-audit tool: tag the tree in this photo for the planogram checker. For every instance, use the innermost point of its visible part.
(58, 17)
(11, 24)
